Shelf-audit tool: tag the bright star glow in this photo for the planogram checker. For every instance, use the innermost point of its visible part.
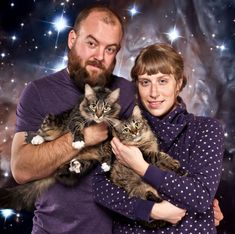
(13, 38)
(6, 174)
(60, 23)
(133, 11)
(221, 47)
(3, 55)
(173, 34)
(7, 213)
(59, 66)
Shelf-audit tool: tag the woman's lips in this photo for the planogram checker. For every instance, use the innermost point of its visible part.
(155, 104)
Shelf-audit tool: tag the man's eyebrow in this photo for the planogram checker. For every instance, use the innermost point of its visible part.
(93, 38)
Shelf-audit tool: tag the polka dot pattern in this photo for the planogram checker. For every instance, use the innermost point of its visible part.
(198, 143)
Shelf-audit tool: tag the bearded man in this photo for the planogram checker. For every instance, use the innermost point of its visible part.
(93, 45)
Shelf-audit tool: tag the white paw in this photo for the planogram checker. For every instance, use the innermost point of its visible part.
(105, 167)
(75, 166)
(37, 140)
(78, 144)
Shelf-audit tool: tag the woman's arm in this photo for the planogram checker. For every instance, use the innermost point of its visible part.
(196, 191)
(116, 199)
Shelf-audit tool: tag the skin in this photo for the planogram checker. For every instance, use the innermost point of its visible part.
(94, 41)
(158, 94)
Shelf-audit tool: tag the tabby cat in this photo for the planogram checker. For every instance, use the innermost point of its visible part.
(135, 131)
(98, 105)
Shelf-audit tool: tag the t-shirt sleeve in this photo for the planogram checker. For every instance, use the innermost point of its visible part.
(29, 112)
(195, 191)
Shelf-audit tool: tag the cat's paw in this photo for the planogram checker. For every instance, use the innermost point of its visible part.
(105, 167)
(37, 140)
(75, 166)
(78, 145)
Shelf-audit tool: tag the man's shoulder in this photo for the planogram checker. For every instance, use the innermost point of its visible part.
(120, 82)
(60, 75)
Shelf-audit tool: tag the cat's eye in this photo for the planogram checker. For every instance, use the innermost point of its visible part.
(125, 130)
(92, 106)
(107, 108)
(137, 124)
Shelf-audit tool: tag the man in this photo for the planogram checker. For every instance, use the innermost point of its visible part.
(93, 45)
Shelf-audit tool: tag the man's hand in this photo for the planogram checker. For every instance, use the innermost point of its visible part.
(95, 134)
(218, 215)
(168, 212)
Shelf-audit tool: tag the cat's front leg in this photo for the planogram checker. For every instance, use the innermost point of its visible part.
(50, 129)
(76, 127)
(106, 156)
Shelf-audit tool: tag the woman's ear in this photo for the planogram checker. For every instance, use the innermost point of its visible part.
(71, 38)
(179, 85)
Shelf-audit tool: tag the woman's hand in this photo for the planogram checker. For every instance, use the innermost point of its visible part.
(129, 156)
(167, 211)
(218, 215)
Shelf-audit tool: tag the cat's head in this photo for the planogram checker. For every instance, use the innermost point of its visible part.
(134, 130)
(100, 104)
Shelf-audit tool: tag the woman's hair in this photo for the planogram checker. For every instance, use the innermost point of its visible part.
(159, 58)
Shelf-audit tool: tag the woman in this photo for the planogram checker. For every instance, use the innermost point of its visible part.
(197, 142)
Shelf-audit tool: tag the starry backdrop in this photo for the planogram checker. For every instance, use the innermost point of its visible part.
(33, 43)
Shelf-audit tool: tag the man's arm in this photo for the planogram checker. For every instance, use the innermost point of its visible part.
(31, 162)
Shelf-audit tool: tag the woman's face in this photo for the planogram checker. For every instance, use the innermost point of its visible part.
(158, 92)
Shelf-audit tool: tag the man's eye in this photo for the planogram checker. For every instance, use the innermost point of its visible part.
(111, 50)
(91, 44)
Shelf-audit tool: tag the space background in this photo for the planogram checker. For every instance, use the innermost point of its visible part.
(33, 43)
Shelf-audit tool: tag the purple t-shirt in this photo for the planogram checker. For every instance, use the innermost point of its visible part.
(62, 209)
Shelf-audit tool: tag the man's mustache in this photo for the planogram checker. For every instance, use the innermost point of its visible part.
(95, 63)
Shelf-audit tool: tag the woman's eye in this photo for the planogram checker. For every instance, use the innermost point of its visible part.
(163, 81)
(144, 82)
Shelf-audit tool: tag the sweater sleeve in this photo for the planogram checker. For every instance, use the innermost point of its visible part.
(116, 199)
(195, 191)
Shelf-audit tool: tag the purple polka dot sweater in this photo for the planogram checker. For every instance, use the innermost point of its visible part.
(197, 142)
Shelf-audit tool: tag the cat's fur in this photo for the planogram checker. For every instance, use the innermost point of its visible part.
(98, 105)
(135, 131)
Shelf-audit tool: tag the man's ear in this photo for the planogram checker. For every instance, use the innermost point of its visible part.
(71, 38)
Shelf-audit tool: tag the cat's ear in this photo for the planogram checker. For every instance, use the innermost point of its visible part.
(89, 91)
(114, 95)
(136, 112)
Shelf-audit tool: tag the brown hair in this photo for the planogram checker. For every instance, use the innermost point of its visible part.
(159, 58)
(111, 16)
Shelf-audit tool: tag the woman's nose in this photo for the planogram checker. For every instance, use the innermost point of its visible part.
(154, 91)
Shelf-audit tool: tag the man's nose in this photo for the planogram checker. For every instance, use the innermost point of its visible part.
(99, 55)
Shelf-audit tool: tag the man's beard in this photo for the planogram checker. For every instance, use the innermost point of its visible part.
(80, 75)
